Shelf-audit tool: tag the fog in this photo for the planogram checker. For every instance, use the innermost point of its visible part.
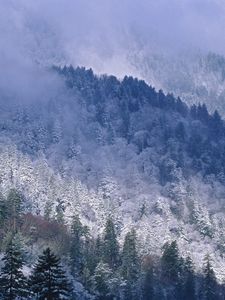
(101, 34)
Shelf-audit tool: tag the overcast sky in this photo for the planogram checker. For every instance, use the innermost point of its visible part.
(102, 33)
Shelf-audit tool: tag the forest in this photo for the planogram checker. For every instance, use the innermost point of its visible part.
(106, 269)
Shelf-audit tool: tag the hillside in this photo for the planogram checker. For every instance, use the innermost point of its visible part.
(103, 147)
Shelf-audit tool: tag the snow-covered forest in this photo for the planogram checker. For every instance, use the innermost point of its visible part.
(106, 152)
(112, 150)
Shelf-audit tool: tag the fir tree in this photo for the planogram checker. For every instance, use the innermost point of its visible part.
(101, 281)
(130, 266)
(189, 291)
(110, 245)
(170, 262)
(14, 202)
(12, 281)
(3, 210)
(171, 269)
(48, 280)
(130, 261)
(210, 284)
(148, 286)
(76, 247)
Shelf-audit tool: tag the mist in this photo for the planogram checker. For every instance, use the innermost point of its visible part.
(99, 34)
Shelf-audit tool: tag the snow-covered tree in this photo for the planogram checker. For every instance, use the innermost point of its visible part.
(13, 283)
(48, 280)
(110, 245)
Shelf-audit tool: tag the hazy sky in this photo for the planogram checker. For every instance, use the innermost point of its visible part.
(102, 33)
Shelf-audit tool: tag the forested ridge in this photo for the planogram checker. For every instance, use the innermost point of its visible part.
(116, 157)
(93, 268)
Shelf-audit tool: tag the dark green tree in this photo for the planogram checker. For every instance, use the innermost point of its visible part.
(101, 279)
(48, 280)
(77, 244)
(110, 245)
(3, 211)
(171, 264)
(130, 268)
(12, 281)
(189, 290)
(130, 260)
(148, 286)
(14, 207)
(210, 284)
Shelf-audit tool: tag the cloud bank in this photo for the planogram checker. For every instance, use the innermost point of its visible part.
(103, 33)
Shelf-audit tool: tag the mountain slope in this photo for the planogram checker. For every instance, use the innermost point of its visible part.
(108, 147)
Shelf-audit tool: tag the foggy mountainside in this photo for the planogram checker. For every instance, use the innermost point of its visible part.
(197, 78)
(112, 150)
(108, 148)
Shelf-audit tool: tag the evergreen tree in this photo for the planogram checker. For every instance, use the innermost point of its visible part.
(130, 261)
(60, 208)
(148, 287)
(210, 284)
(48, 280)
(14, 202)
(110, 245)
(76, 247)
(189, 291)
(171, 268)
(130, 266)
(3, 210)
(101, 281)
(12, 281)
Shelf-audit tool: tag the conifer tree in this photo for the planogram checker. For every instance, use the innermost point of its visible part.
(48, 280)
(210, 284)
(130, 266)
(130, 261)
(189, 291)
(14, 203)
(110, 245)
(148, 286)
(101, 281)
(76, 248)
(12, 281)
(171, 264)
(3, 210)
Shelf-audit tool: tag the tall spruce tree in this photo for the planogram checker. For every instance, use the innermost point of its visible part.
(76, 247)
(148, 286)
(3, 211)
(110, 245)
(14, 208)
(130, 266)
(13, 283)
(101, 280)
(189, 290)
(210, 284)
(171, 264)
(48, 280)
(130, 260)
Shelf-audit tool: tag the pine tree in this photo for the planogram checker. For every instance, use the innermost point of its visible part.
(14, 202)
(3, 210)
(130, 266)
(148, 287)
(110, 245)
(171, 269)
(130, 261)
(101, 281)
(170, 262)
(12, 281)
(210, 284)
(48, 280)
(189, 291)
(76, 247)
